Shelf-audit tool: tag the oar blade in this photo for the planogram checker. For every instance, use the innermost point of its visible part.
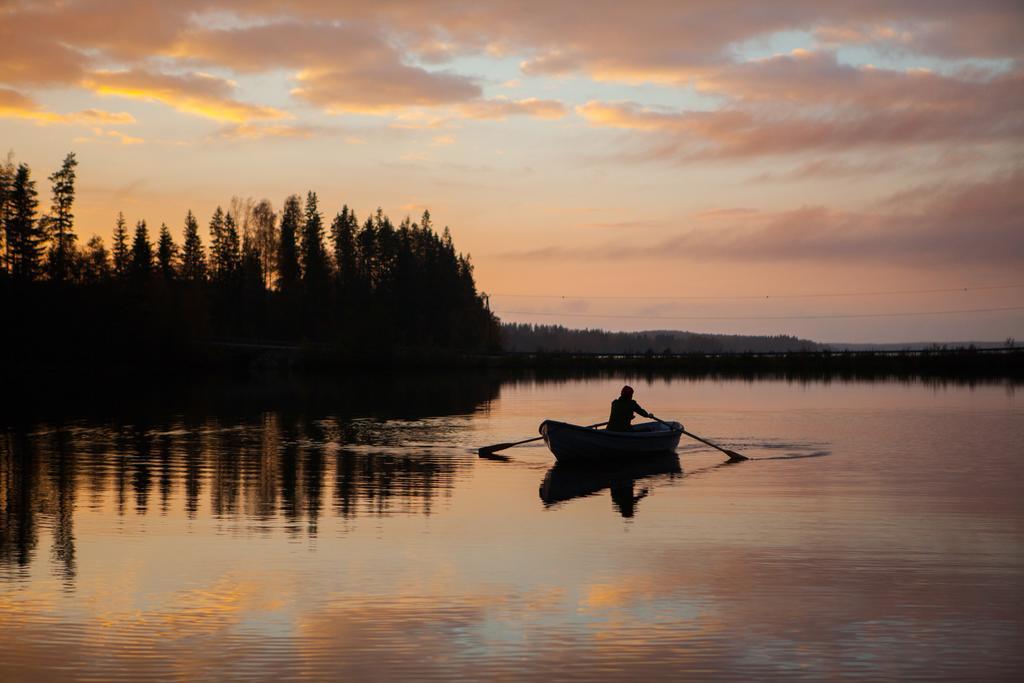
(488, 451)
(734, 456)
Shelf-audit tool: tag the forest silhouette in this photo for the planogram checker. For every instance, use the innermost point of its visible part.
(531, 338)
(287, 275)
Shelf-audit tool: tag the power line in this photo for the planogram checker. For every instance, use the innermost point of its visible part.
(766, 317)
(765, 296)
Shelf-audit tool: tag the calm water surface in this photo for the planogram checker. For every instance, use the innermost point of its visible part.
(878, 533)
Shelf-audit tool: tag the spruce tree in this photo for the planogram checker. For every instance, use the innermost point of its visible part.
(166, 254)
(142, 254)
(288, 273)
(230, 249)
(193, 260)
(61, 218)
(343, 239)
(367, 263)
(122, 254)
(217, 264)
(23, 230)
(314, 259)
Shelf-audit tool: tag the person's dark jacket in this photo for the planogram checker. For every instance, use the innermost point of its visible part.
(622, 414)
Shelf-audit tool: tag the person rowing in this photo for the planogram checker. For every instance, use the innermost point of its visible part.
(623, 409)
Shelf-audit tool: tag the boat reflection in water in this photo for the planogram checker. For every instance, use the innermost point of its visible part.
(564, 481)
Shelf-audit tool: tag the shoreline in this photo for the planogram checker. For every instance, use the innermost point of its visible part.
(252, 358)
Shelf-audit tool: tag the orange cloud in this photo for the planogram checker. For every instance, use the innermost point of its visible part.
(378, 91)
(341, 68)
(199, 94)
(500, 108)
(18, 106)
(30, 54)
(254, 131)
(646, 40)
(111, 136)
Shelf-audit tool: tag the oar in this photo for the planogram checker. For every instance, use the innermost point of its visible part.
(733, 455)
(491, 450)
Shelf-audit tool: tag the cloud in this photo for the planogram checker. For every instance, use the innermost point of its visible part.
(30, 57)
(500, 108)
(261, 131)
(832, 168)
(53, 43)
(341, 68)
(973, 223)
(368, 57)
(19, 106)
(988, 30)
(100, 135)
(652, 40)
(730, 212)
(380, 89)
(811, 103)
(198, 94)
(658, 41)
(816, 78)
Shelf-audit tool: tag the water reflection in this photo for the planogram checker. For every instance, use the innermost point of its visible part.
(564, 482)
(328, 540)
(267, 469)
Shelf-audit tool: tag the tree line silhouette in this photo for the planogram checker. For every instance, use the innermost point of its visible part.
(260, 274)
(529, 338)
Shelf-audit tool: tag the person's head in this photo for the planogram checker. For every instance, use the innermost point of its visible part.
(627, 392)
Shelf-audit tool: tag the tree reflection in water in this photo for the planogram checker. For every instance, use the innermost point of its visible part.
(266, 468)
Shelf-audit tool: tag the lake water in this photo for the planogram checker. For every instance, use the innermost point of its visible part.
(351, 531)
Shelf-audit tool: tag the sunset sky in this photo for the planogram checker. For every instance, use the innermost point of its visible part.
(710, 163)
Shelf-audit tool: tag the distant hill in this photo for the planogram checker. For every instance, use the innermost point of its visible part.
(555, 338)
(917, 346)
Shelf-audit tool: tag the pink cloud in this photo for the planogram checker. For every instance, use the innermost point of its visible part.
(499, 108)
(809, 102)
(975, 223)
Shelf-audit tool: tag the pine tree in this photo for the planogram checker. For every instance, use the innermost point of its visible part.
(343, 239)
(166, 254)
(386, 250)
(141, 267)
(314, 259)
(217, 245)
(231, 249)
(367, 264)
(23, 230)
(193, 260)
(61, 218)
(122, 254)
(288, 273)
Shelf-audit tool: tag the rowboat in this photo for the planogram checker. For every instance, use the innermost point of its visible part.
(575, 444)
